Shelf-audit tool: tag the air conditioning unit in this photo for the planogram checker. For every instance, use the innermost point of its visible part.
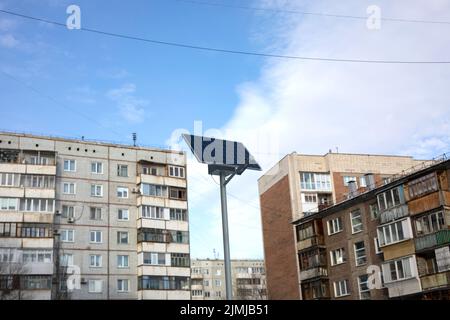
(71, 220)
(58, 213)
(83, 281)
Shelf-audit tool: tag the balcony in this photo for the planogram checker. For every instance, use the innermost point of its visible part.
(309, 242)
(313, 273)
(394, 213)
(196, 276)
(432, 240)
(435, 281)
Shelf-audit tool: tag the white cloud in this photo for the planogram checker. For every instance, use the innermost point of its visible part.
(8, 41)
(130, 107)
(316, 106)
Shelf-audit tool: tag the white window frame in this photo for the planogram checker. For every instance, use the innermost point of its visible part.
(337, 259)
(347, 179)
(97, 164)
(66, 238)
(98, 260)
(355, 251)
(95, 233)
(69, 184)
(121, 282)
(125, 217)
(392, 229)
(218, 283)
(123, 192)
(406, 263)
(69, 167)
(119, 170)
(377, 246)
(70, 211)
(121, 259)
(177, 172)
(67, 260)
(332, 224)
(353, 215)
(118, 237)
(95, 286)
(342, 284)
(97, 211)
(359, 287)
(96, 188)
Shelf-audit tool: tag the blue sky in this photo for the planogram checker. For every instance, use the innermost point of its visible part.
(274, 106)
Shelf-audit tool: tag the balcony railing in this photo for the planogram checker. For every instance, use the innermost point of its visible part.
(309, 242)
(435, 281)
(432, 240)
(394, 213)
(313, 273)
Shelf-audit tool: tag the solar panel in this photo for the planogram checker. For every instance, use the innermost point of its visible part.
(221, 155)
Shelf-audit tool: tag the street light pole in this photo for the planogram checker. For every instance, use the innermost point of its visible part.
(226, 242)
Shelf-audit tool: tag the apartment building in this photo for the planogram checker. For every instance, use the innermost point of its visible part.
(208, 279)
(389, 241)
(91, 220)
(300, 185)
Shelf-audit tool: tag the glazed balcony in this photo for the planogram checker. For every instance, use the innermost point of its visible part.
(430, 241)
(316, 240)
(435, 281)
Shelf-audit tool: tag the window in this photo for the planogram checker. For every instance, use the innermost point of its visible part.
(122, 170)
(374, 213)
(356, 219)
(390, 198)
(207, 294)
(95, 261)
(36, 282)
(9, 179)
(152, 212)
(162, 236)
(218, 294)
(177, 193)
(197, 293)
(153, 190)
(334, 226)
(96, 190)
(8, 204)
(95, 286)
(176, 172)
(218, 272)
(360, 253)
(33, 255)
(67, 211)
(70, 165)
(123, 285)
(430, 223)
(97, 167)
(398, 270)
(122, 261)
(123, 214)
(218, 283)
(180, 260)
(43, 161)
(37, 205)
(394, 232)
(122, 192)
(69, 188)
(310, 198)
(155, 171)
(423, 185)
(337, 256)
(178, 214)
(67, 260)
(96, 236)
(95, 213)
(206, 283)
(154, 258)
(377, 246)
(315, 181)
(163, 283)
(122, 237)
(305, 231)
(362, 182)
(347, 179)
(67, 235)
(341, 288)
(364, 291)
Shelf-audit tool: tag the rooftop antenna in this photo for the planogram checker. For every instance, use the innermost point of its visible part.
(224, 159)
(337, 150)
(134, 139)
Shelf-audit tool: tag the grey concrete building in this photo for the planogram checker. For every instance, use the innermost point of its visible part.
(208, 279)
(115, 214)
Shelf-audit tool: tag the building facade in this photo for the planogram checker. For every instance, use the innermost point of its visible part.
(89, 220)
(300, 185)
(248, 280)
(389, 241)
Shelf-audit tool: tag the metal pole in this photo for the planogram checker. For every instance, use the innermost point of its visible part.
(226, 243)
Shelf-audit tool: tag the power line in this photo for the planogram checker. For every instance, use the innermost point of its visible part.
(228, 51)
(330, 15)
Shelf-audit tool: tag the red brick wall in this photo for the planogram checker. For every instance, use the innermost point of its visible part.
(279, 242)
